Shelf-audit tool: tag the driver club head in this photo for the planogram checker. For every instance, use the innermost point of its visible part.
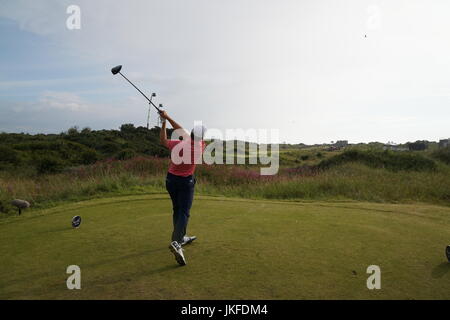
(116, 70)
(76, 221)
(153, 94)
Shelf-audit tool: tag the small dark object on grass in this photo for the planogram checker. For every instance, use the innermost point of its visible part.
(447, 253)
(76, 221)
(20, 204)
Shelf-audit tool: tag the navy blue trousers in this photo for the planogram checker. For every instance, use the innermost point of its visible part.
(181, 191)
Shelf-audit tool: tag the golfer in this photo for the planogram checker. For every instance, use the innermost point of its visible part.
(180, 180)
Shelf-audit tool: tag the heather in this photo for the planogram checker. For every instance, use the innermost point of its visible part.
(352, 180)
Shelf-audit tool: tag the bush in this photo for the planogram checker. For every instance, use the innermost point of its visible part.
(5, 203)
(125, 154)
(442, 155)
(393, 161)
(75, 147)
(304, 157)
(48, 164)
(418, 146)
(73, 131)
(127, 127)
(86, 130)
(109, 148)
(89, 157)
(5, 206)
(9, 155)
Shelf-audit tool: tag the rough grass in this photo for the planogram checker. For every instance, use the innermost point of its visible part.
(442, 155)
(349, 180)
(246, 249)
(394, 161)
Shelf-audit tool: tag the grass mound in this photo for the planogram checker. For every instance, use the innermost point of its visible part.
(394, 161)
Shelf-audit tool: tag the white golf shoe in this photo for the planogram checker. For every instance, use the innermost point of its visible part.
(177, 251)
(187, 240)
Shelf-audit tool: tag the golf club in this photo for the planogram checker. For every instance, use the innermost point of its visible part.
(148, 116)
(116, 70)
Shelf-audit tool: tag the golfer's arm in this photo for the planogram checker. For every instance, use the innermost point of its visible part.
(163, 135)
(176, 126)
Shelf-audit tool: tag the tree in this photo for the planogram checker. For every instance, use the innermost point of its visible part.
(127, 127)
(86, 130)
(72, 131)
(418, 146)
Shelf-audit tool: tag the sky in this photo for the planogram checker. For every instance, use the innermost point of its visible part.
(316, 71)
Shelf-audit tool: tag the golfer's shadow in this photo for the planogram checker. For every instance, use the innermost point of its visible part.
(440, 270)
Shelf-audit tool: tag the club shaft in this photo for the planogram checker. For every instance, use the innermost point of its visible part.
(149, 100)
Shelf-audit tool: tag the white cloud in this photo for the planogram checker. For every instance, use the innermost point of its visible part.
(62, 101)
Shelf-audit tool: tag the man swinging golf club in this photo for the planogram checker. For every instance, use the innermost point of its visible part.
(180, 180)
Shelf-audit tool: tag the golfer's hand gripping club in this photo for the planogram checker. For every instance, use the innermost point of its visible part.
(162, 118)
(163, 114)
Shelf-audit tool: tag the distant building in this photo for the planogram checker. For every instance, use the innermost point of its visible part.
(418, 146)
(444, 143)
(341, 143)
(394, 147)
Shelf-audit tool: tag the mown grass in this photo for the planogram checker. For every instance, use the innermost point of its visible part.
(246, 249)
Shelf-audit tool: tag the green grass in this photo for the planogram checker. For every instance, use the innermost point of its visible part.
(348, 181)
(246, 249)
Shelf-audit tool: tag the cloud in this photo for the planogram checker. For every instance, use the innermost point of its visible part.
(5, 85)
(57, 111)
(247, 64)
(62, 101)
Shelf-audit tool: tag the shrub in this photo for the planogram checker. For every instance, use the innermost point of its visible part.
(89, 157)
(125, 154)
(48, 164)
(127, 127)
(394, 161)
(86, 130)
(9, 155)
(418, 146)
(109, 148)
(73, 131)
(304, 157)
(5, 202)
(442, 155)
